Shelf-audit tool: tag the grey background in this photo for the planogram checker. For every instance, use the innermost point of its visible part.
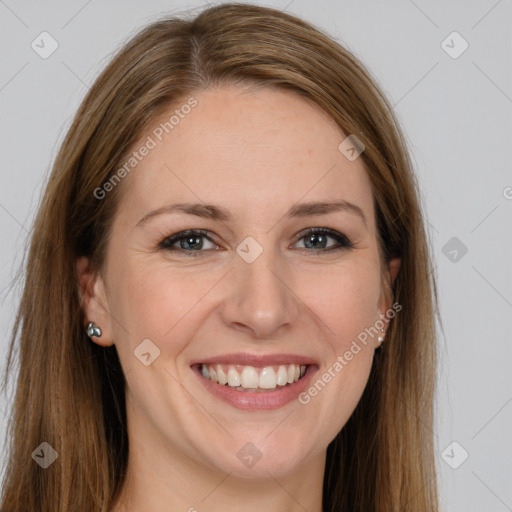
(456, 113)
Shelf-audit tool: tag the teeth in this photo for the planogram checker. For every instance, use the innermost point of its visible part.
(223, 378)
(268, 378)
(291, 373)
(248, 377)
(282, 376)
(233, 377)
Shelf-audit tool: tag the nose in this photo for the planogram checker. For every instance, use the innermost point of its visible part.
(259, 298)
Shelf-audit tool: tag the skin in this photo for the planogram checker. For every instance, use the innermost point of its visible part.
(255, 153)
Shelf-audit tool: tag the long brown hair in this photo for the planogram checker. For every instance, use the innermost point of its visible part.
(70, 392)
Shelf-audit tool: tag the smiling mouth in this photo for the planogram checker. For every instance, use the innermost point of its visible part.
(247, 378)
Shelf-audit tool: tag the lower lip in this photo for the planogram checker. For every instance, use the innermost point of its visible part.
(257, 400)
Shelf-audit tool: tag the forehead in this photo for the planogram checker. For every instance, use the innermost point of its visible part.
(251, 151)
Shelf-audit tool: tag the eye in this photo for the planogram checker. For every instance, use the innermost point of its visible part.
(189, 242)
(316, 238)
(192, 241)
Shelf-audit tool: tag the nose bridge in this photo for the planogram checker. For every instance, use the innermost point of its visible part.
(259, 298)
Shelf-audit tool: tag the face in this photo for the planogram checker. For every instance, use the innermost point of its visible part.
(263, 287)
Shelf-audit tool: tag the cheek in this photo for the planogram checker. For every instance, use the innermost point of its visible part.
(151, 301)
(345, 300)
(346, 305)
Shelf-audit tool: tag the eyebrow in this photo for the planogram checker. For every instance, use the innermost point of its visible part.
(215, 212)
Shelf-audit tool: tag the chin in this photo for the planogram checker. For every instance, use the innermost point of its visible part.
(263, 457)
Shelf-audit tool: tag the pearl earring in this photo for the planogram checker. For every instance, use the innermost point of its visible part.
(93, 330)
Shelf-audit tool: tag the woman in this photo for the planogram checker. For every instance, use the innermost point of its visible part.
(228, 301)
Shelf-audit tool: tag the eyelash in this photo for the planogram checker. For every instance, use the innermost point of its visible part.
(166, 244)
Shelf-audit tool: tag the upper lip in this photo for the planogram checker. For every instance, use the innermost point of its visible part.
(247, 359)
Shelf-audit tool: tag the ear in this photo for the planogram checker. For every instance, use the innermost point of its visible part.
(393, 268)
(94, 301)
(386, 299)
